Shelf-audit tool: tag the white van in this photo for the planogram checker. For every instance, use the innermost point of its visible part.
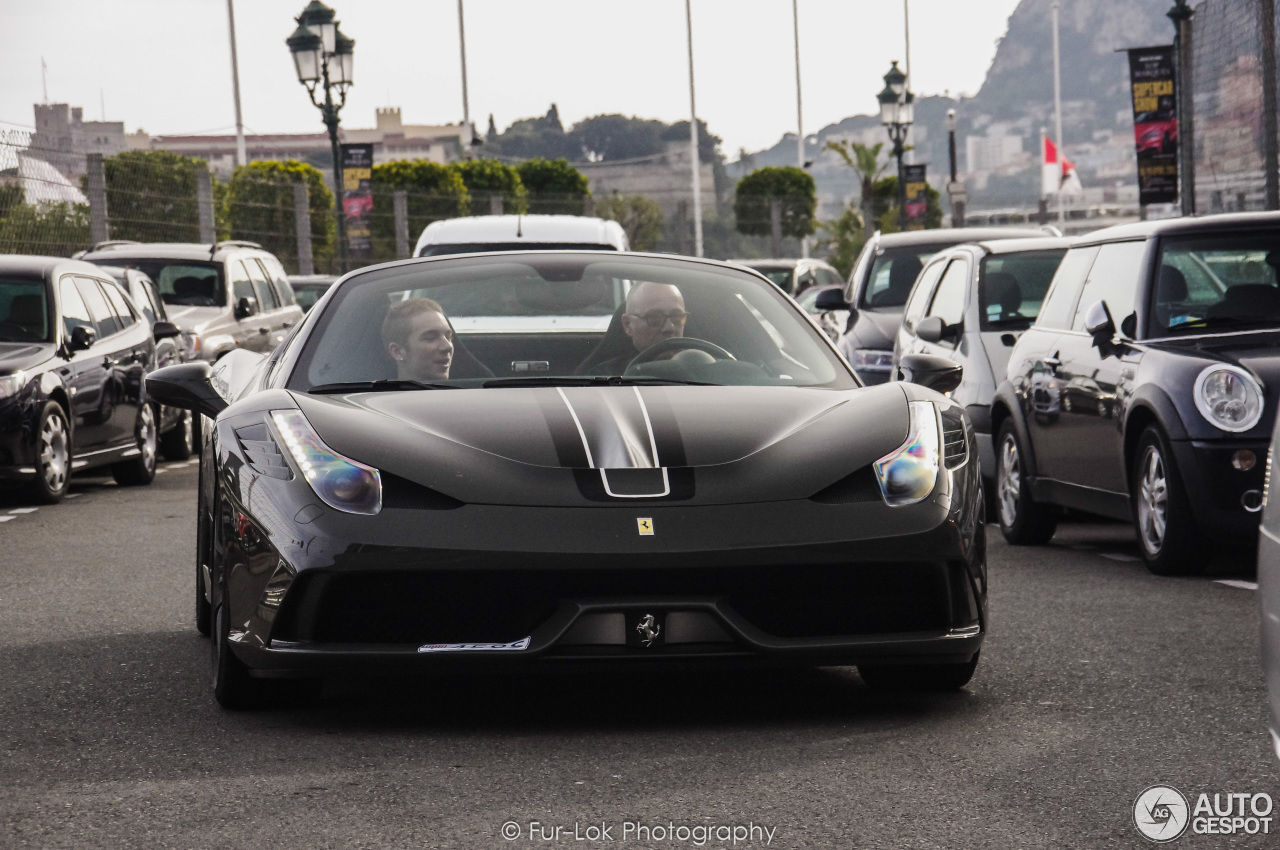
(481, 233)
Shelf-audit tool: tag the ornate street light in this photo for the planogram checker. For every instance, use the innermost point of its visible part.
(323, 58)
(897, 112)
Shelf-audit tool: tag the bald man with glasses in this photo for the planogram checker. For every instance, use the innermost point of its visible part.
(654, 313)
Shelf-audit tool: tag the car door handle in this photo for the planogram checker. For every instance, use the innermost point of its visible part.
(264, 330)
(1052, 362)
(288, 324)
(108, 362)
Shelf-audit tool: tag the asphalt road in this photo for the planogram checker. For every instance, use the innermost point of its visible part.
(1097, 680)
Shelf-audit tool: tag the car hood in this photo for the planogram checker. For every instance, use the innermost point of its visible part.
(23, 355)
(535, 445)
(193, 318)
(874, 329)
(1257, 352)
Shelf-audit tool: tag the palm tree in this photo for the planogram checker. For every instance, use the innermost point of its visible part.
(865, 162)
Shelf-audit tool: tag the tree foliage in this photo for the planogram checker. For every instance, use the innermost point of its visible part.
(608, 138)
(845, 237)
(54, 229)
(554, 186)
(258, 205)
(151, 196)
(639, 216)
(489, 178)
(790, 185)
(434, 192)
(866, 164)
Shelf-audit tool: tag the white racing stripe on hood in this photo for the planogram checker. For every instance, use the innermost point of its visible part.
(614, 428)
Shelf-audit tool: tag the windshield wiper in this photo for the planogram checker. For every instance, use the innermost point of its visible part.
(592, 381)
(1218, 321)
(376, 387)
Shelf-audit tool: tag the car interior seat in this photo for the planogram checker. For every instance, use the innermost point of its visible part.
(1249, 301)
(193, 291)
(1171, 293)
(1001, 297)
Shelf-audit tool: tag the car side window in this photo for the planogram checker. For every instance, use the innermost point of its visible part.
(74, 312)
(921, 294)
(948, 301)
(276, 272)
(1059, 306)
(266, 294)
(119, 305)
(826, 277)
(152, 304)
(241, 285)
(104, 318)
(1114, 279)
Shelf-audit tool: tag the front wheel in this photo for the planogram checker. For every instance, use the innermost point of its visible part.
(1166, 529)
(141, 469)
(53, 456)
(918, 677)
(1023, 521)
(178, 441)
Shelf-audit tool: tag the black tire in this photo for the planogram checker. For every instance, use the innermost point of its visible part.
(140, 470)
(1023, 521)
(918, 677)
(179, 441)
(233, 687)
(1161, 512)
(53, 456)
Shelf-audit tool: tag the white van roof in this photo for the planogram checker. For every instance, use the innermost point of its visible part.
(521, 229)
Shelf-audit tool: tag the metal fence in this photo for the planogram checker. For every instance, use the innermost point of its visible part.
(54, 201)
(1234, 68)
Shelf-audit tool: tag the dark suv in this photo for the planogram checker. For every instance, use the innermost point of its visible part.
(227, 296)
(1148, 387)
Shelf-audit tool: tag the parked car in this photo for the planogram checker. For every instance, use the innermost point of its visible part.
(1162, 341)
(832, 322)
(227, 296)
(73, 355)
(175, 424)
(882, 279)
(307, 288)
(484, 233)
(795, 276)
(969, 305)
(734, 493)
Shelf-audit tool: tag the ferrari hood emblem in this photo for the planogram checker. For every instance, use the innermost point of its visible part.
(645, 526)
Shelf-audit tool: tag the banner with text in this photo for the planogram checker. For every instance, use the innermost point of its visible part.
(916, 191)
(357, 198)
(1155, 123)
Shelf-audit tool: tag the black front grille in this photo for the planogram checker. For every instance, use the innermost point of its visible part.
(456, 606)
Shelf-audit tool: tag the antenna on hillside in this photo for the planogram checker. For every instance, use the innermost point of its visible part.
(44, 78)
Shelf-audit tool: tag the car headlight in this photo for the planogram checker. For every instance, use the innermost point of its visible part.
(340, 482)
(10, 384)
(872, 360)
(1229, 398)
(191, 344)
(908, 474)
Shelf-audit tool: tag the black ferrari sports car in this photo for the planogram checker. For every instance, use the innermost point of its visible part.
(537, 457)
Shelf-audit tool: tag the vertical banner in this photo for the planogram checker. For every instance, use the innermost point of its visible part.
(357, 198)
(916, 190)
(1155, 123)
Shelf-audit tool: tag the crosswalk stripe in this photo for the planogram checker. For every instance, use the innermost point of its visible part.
(24, 510)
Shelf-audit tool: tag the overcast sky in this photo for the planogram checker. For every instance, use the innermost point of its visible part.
(164, 65)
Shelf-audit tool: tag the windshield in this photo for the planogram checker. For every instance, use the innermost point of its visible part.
(24, 310)
(893, 272)
(1011, 287)
(487, 247)
(780, 275)
(185, 283)
(563, 318)
(1217, 282)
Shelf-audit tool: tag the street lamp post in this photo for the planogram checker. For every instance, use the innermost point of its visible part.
(897, 108)
(323, 57)
(955, 188)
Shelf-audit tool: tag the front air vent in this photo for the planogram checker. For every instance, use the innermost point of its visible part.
(262, 452)
(955, 448)
(404, 494)
(857, 487)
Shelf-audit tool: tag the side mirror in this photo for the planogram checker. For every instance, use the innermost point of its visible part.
(927, 370)
(931, 329)
(829, 300)
(186, 386)
(82, 337)
(246, 307)
(1099, 324)
(165, 330)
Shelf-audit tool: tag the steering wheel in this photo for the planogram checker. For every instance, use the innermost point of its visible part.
(673, 346)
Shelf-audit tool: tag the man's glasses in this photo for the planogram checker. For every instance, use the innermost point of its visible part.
(656, 319)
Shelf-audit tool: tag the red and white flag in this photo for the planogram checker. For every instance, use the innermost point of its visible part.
(1057, 173)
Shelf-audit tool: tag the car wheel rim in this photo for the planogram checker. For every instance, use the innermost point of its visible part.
(54, 453)
(1010, 482)
(1153, 500)
(147, 436)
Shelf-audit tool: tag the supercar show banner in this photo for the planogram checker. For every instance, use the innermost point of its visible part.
(357, 197)
(916, 192)
(1155, 123)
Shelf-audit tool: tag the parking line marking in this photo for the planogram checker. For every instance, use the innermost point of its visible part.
(161, 471)
(1235, 582)
(1116, 556)
(24, 510)
(74, 495)
(7, 518)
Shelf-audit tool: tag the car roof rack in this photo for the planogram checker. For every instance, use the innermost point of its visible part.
(232, 243)
(112, 243)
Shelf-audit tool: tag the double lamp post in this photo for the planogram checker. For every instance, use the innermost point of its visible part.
(323, 57)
